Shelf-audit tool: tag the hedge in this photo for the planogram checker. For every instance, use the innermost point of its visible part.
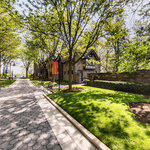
(120, 86)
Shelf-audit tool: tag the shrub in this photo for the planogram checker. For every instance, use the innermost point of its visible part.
(121, 86)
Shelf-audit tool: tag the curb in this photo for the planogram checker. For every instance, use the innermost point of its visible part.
(45, 90)
(94, 140)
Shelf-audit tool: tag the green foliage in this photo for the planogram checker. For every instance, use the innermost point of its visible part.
(115, 31)
(143, 28)
(135, 56)
(27, 56)
(46, 82)
(8, 39)
(77, 24)
(115, 36)
(107, 63)
(106, 114)
(122, 54)
(6, 82)
(121, 86)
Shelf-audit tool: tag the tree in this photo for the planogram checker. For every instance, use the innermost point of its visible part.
(107, 59)
(8, 56)
(78, 24)
(135, 56)
(115, 36)
(26, 55)
(8, 37)
(143, 26)
(44, 48)
(9, 40)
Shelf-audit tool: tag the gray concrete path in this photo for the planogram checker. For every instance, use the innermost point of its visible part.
(29, 121)
(23, 125)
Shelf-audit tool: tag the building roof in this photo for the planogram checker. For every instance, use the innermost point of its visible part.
(92, 53)
(87, 56)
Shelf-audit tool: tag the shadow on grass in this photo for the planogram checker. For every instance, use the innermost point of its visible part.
(100, 111)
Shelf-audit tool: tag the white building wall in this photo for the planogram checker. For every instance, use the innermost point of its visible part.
(16, 68)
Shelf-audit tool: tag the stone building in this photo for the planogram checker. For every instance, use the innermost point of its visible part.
(79, 71)
(82, 68)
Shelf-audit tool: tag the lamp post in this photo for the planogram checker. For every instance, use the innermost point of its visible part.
(59, 70)
(11, 72)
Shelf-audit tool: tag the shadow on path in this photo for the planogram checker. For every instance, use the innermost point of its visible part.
(22, 122)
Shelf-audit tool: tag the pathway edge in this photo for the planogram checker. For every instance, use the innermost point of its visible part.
(93, 139)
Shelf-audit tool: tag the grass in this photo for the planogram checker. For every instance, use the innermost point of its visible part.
(45, 82)
(6, 82)
(106, 114)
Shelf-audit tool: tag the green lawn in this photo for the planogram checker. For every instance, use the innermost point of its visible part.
(6, 82)
(39, 82)
(106, 114)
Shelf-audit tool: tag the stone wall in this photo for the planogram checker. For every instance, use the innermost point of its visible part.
(141, 76)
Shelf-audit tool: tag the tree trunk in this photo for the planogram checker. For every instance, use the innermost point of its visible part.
(70, 75)
(136, 63)
(4, 70)
(27, 72)
(70, 69)
(116, 64)
(107, 61)
(117, 53)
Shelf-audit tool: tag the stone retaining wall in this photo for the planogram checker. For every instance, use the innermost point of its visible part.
(141, 76)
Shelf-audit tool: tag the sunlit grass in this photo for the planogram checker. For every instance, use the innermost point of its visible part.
(106, 114)
(6, 82)
(46, 82)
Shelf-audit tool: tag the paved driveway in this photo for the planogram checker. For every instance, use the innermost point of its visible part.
(23, 125)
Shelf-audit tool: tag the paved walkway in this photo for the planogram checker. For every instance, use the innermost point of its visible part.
(22, 122)
(29, 121)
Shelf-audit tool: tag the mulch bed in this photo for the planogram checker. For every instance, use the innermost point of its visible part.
(141, 110)
(73, 90)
